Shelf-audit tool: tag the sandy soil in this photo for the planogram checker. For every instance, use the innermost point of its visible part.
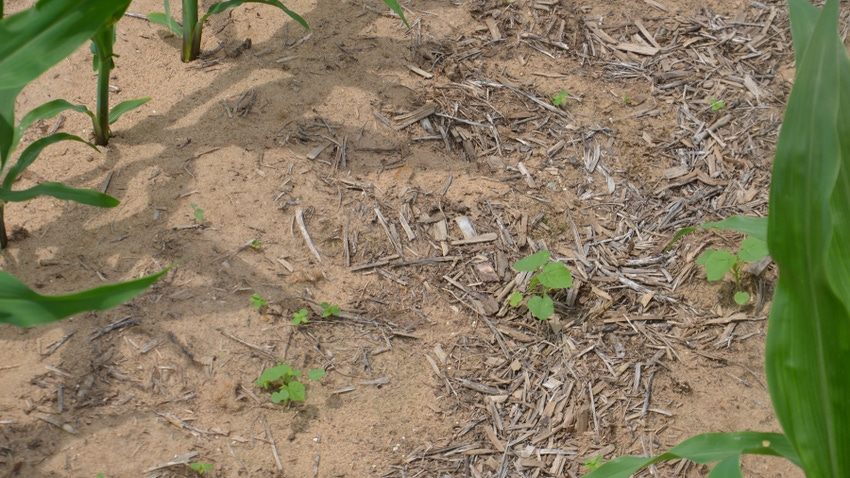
(181, 378)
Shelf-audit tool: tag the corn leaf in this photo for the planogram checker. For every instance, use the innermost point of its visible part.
(165, 20)
(703, 449)
(217, 8)
(808, 338)
(752, 226)
(37, 38)
(31, 153)
(124, 107)
(43, 112)
(60, 191)
(21, 306)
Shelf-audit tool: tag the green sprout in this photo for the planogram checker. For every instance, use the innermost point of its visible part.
(591, 464)
(256, 245)
(329, 310)
(718, 263)
(300, 317)
(627, 100)
(549, 276)
(283, 378)
(716, 105)
(257, 301)
(197, 213)
(560, 98)
(201, 467)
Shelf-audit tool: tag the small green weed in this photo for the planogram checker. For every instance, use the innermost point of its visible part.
(716, 105)
(591, 464)
(257, 245)
(257, 301)
(201, 467)
(300, 317)
(549, 276)
(329, 310)
(283, 378)
(197, 213)
(627, 100)
(560, 98)
(718, 263)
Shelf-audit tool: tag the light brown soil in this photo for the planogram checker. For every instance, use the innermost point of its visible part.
(382, 409)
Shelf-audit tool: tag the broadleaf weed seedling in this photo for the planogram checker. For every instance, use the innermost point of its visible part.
(197, 213)
(718, 262)
(591, 464)
(560, 99)
(201, 467)
(549, 276)
(256, 245)
(283, 378)
(329, 310)
(257, 301)
(716, 105)
(300, 317)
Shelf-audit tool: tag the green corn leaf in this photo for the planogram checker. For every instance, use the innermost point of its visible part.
(717, 263)
(728, 468)
(753, 249)
(751, 226)
(165, 20)
(46, 111)
(808, 336)
(555, 275)
(60, 191)
(37, 38)
(297, 392)
(124, 107)
(532, 262)
(31, 153)
(21, 306)
(703, 449)
(394, 6)
(217, 8)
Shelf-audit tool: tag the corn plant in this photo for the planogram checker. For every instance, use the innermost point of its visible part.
(33, 40)
(192, 27)
(102, 48)
(808, 234)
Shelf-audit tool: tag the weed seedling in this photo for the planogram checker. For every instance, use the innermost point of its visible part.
(283, 378)
(256, 245)
(716, 105)
(257, 301)
(329, 310)
(300, 317)
(559, 99)
(718, 263)
(549, 276)
(197, 213)
(627, 100)
(200, 467)
(591, 464)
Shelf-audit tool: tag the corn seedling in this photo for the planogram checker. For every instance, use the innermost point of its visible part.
(283, 378)
(808, 236)
(300, 317)
(548, 276)
(257, 301)
(201, 467)
(560, 98)
(102, 48)
(329, 310)
(192, 26)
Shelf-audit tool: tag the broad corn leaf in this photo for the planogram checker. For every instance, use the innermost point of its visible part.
(704, 449)
(31, 153)
(808, 338)
(124, 107)
(60, 191)
(217, 8)
(21, 306)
